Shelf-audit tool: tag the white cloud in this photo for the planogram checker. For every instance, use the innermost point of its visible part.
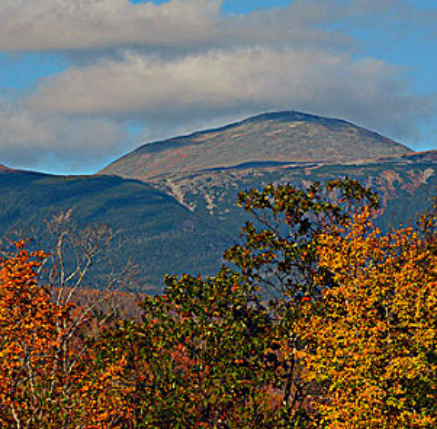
(63, 25)
(246, 80)
(89, 24)
(185, 64)
(57, 144)
(80, 25)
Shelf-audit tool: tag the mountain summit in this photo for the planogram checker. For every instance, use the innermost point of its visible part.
(280, 137)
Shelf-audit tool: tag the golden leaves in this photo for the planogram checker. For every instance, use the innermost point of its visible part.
(376, 336)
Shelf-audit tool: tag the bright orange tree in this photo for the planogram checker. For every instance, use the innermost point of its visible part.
(372, 339)
(47, 375)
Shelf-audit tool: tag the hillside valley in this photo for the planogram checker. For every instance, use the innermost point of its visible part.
(404, 184)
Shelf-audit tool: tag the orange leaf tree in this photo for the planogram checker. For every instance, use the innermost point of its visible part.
(47, 375)
(372, 339)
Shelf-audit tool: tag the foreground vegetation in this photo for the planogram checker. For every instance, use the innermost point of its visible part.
(318, 321)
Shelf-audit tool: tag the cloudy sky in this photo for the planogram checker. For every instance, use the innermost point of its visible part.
(85, 81)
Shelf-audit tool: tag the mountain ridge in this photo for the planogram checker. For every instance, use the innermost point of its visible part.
(180, 220)
(286, 136)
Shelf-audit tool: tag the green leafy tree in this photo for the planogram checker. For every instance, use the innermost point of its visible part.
(221, 352)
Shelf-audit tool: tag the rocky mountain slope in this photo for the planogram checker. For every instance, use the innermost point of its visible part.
(273, 138)
(206, 170)
(405, 184)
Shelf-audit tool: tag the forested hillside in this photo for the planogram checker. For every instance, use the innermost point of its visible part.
(318, 321)
(150, 228)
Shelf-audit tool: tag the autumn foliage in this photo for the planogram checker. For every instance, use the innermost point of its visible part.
(48, 377)
(372, 340)
(318, 320)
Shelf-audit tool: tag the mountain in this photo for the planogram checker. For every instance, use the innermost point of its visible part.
(205, 171)
(4, 168)
(174, 203)
(155, 231)
(273, 138)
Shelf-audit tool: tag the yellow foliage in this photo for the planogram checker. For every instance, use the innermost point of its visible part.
(372, 343)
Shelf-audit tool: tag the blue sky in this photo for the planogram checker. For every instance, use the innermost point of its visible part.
(85, 81)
